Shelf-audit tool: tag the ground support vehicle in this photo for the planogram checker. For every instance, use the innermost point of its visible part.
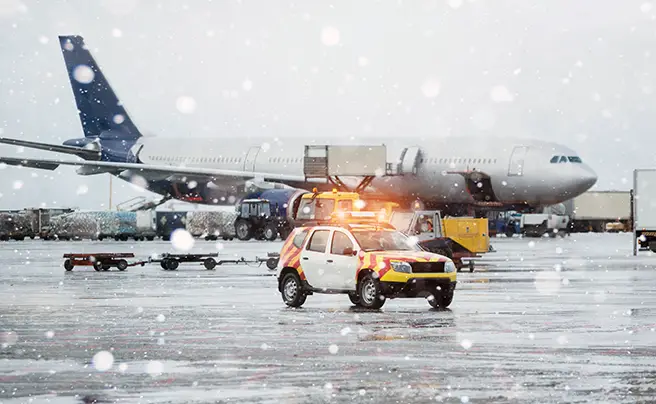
(100, 261)
(368, 262)
(643, 212)
(171, 262)
(456, 237)
(271, 213)
(548, 222)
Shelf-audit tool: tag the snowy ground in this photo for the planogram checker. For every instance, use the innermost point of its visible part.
(548, 320)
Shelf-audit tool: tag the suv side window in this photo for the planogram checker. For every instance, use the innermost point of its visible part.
(300, 238)
(340, 243)
(319, 241)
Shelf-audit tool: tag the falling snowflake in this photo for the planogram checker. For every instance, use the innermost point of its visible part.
(333, 349)
(103, 361)
(44, 39)
(117, 33)
(466, 344)
(330, 36)
(247, 85)
(154, 368)
(123, 367)
(82, 189)
(455, 3)
(345, 331)
(430, 87)
(547, 282)
(186, 104)
(363, 61)
(83, 74)
(118, 119)
(18, 184)
(646, 7)
(501, 94)
(161, 318)
(264, 346)
(182, 240)
(220, 246)
(50, 334)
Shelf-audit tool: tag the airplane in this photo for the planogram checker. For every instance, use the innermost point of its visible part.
(486, 172)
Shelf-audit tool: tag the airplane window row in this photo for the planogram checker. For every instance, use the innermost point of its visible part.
(564, 159)
(285, 160)
(459, 161)
(197, 159)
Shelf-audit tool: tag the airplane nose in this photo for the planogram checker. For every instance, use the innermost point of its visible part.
(584, 179)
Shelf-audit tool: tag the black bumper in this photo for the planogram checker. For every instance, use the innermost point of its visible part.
(418, 287)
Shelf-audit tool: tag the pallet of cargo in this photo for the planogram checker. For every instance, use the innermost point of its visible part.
(171, 262)
(100, 261)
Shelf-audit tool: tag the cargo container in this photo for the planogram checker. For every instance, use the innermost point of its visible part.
(594, 210)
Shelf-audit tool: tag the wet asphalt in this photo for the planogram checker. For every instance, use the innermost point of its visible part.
(540, 320)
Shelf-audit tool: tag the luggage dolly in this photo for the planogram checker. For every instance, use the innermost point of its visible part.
(100, 261)
(170, 262)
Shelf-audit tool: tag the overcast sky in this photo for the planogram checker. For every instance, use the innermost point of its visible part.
(575, 72)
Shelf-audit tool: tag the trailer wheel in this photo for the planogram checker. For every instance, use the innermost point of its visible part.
(106, 267)
(68, 265)
(270, 232)
(150, 238)
(209, 264)
(272, 263)
(244, 230)
(122, 265)
(172, 264)
(164, 264)
(471, 266)
(98, 266)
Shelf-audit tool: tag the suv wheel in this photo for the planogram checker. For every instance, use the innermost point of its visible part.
(370, 293)
(354, 298)
(441, 300)
(292, 290)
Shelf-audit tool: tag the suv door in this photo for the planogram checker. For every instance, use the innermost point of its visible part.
(341, 261)
(313, 259)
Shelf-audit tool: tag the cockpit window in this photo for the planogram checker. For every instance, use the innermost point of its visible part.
(565, 159)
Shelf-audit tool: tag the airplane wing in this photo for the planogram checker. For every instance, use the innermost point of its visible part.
(148, 170)
(86, 154)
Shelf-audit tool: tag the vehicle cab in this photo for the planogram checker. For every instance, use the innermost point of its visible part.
(367, 260)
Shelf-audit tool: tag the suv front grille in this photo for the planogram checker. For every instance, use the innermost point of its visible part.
(427, 267)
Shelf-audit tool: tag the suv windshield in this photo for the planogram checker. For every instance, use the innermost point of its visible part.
(383, 240)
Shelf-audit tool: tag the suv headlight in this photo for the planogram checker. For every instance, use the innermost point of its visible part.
(401, 266)
(449, 267)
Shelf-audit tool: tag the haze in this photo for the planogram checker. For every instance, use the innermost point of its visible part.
(578, 73)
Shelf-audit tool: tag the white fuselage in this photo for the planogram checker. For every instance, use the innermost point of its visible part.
(520, 170)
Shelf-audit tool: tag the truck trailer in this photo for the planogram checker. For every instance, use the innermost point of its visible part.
(644, 210)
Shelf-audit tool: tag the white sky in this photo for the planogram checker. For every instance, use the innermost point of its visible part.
(576, 72)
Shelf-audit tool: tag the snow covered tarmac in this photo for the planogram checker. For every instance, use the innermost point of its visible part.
(541, 320)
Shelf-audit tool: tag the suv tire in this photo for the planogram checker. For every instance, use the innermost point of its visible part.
(370, 293)
(292, 291)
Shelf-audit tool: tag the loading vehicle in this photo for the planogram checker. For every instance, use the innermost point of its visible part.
(275, 212)
(370, 262)
(453, 237)
(100, 261)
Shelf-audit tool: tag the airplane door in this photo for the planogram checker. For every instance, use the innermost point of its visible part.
(249, 162)
(410, 160)
(517, 161)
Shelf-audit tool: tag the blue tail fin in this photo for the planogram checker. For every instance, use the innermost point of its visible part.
(100, 110)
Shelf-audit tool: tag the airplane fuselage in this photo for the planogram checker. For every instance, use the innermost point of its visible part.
(514, 172)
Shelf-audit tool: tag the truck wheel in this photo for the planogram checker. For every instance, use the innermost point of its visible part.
(243, 230)
(354, 298)
(370, 293)
(442, 300)
(68, 265)
(270, 232)
(122, 265)
(471, 266)
(284, 233)
(292, 290)
(172, 264)
(209, 264)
